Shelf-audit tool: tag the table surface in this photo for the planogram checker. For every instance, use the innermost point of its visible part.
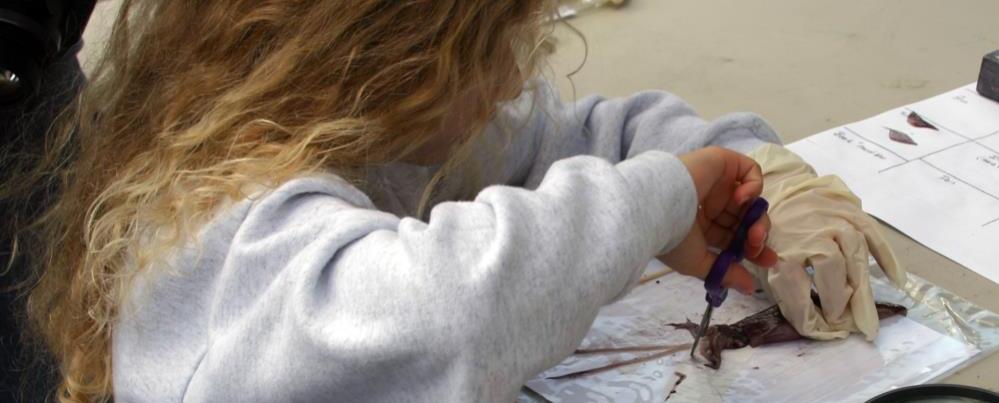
(803, 66)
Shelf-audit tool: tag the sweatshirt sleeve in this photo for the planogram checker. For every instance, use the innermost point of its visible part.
(620, 128)
(323, 298)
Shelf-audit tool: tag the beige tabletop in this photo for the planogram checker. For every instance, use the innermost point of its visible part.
(805, 66)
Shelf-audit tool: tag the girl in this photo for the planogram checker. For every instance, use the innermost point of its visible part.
(258, 206)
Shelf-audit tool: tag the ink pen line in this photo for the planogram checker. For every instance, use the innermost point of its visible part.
(938, 125)
(927, 155)
(960, 180)
(894, 166)
(875, 143)
(974, 139)
(950, 174)
(942, 150)
(905, 161)
(987, 135)
(970, 139)
(986, 147)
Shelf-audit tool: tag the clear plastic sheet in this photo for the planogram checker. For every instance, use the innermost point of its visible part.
(946, 313)
(942, 334)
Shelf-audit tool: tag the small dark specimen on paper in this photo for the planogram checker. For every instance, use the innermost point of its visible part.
(917, 121)
(900, 137)
(765, 327)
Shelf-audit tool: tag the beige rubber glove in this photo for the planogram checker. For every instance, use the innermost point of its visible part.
(818, 222)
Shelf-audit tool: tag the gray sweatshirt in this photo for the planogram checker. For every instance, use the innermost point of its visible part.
(315, 291)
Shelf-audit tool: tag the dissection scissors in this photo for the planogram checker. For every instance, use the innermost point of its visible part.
(716, 294)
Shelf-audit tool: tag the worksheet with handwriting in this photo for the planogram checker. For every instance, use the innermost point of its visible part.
(930, 169)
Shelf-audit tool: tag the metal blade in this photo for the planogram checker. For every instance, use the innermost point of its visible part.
(705, 321)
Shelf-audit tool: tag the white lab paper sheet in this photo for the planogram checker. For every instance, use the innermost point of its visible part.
(943, 191)
(850, 370)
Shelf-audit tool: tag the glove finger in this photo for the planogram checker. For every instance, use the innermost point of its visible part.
(864, 313)
(756, 237)
(739, 278)
(760, 274)
(791, 288)
(830, 276)
(882, 251)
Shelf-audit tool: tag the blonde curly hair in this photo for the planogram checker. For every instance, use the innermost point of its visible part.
(197, 101)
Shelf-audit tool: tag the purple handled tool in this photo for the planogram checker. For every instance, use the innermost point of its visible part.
(732, 254)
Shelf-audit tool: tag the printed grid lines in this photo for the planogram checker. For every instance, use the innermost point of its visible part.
(922, 158)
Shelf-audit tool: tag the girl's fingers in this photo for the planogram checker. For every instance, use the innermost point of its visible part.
(739, 181)
(767, 258)
(739, 279)
(746, 192)
(717, 236)
(719, 199)
(727, 220)
(750, 180)
(718, 232)
(760, 255)
(693, 258)
(756, 239)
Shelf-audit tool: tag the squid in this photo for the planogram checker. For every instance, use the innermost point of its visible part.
(765, 327)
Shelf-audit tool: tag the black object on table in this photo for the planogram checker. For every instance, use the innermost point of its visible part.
(937, 393)
(988, 78)
(39, 76)
(33, 35)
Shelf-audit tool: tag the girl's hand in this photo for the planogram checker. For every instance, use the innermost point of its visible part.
(725, 181)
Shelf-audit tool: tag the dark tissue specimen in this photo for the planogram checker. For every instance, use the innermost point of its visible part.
(765, 327)
(680, 377)
(900, 137)
(918, 121)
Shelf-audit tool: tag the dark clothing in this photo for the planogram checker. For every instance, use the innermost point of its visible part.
(27, 375)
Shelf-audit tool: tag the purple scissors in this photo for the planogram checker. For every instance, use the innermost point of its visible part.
(732, 254)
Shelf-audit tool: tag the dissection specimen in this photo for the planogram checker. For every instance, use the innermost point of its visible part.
(765, 327)
(918, 121)
(900, 137)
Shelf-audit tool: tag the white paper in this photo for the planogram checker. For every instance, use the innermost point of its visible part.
(942, 192)
(904, 353)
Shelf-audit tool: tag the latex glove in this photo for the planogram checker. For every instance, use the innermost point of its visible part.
(818, 222)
